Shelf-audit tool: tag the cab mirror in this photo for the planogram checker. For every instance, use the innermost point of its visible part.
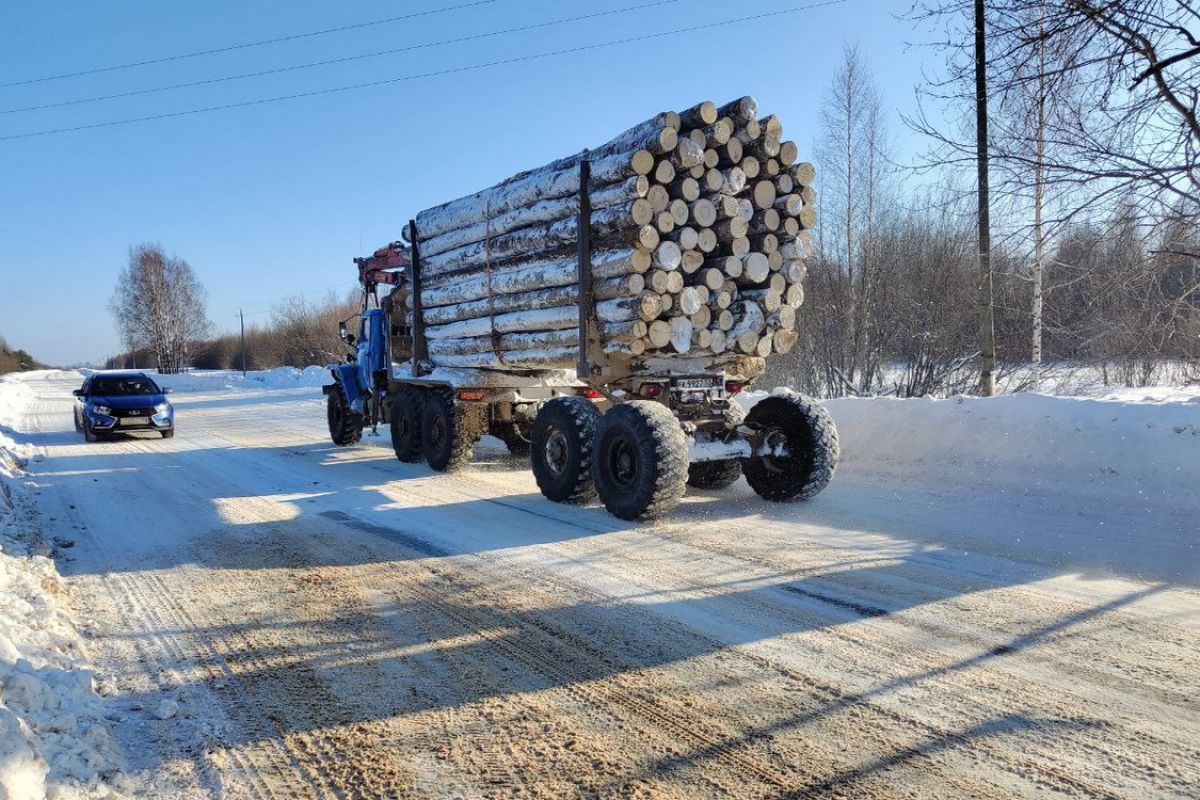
(342, 332)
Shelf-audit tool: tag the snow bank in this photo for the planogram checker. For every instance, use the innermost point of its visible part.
(222, 379)
(1140, 448)
(54, 741)
(14, 395)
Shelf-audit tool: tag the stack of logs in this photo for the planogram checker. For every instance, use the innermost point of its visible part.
(700, 230)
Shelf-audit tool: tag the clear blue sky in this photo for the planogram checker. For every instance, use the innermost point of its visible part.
(275, 199)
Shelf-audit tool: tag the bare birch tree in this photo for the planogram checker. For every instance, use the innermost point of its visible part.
(854, 174)
(159, 304)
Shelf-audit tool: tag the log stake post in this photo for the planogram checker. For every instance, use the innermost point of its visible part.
(420, 351)
(590, 347)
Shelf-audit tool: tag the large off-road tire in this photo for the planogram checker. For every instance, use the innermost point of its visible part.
(805, 429)
(447, 437)
(640, 460)
(561, 449)
(405, 423)
(345, 427)
(719, 474)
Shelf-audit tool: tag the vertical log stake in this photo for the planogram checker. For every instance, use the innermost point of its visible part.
(420, 352)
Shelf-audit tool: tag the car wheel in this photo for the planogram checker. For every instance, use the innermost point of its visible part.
(89, 435)
(169, 433)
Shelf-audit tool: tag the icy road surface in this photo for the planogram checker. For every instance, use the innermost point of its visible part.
(332, 623)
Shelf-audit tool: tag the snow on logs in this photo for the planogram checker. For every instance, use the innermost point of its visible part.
(699, 230)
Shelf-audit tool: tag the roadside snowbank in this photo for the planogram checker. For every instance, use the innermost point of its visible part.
(1140, 448)
(54, 740)
(14, 395)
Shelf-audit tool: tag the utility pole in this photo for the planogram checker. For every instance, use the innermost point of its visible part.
(987, 324)
(242, 319)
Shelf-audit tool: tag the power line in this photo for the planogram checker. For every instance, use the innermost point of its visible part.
(344, 59)
(246, 45)
(423, 75)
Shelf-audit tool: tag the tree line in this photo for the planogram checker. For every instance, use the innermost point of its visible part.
(297, 332)
(15, 360)
(1095, 152)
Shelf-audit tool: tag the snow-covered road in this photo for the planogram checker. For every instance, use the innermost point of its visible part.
(333, 623)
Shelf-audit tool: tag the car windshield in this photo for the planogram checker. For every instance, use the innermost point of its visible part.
(123, 386)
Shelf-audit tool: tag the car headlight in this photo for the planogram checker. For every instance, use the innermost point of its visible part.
(162, 408)
(105, 410)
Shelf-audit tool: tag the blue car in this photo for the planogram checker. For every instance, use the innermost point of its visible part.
(122, 401)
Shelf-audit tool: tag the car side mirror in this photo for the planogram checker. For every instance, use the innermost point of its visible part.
(167, 390)
(78, 392)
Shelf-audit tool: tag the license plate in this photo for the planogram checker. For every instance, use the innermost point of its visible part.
(134, 420)
(697, 383)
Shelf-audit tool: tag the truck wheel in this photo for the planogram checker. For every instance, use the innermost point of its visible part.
(561, 449)
(345, 427)
(446, 441)
(719, 474)
(802, 426)
(640, 463)
(406, 426)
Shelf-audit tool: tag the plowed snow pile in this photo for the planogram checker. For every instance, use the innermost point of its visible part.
(54, 740)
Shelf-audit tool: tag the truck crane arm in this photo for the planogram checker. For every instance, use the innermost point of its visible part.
(387, 265)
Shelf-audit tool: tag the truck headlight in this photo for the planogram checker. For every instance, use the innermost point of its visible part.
(105, 410)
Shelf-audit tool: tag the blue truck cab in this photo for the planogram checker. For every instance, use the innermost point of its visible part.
(362, 380)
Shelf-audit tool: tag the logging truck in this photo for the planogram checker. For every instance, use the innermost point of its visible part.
(634, 432)
(600, 314)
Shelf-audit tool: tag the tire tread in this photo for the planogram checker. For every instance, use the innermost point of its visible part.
(654, 420)
(408, 401)
(350, 431)
(825, 452)
(586, 418)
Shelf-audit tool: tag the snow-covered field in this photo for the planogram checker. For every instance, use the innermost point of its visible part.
(996, 597)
